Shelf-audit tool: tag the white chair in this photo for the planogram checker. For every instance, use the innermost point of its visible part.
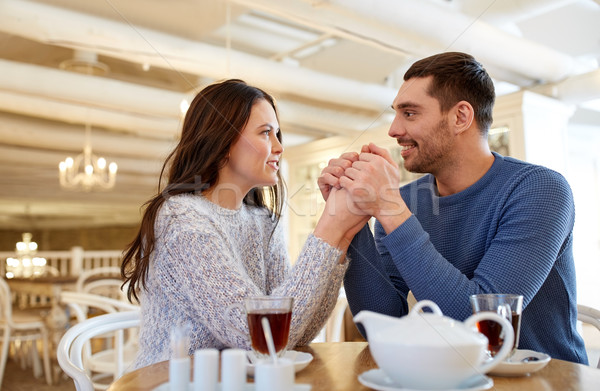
(333, 331)
(105, 281)
(101, 364)
(71, 346)
(22, 326)
(591, 316)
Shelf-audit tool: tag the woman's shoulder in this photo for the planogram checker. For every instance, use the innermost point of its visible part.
(186, 204)
(183, 210)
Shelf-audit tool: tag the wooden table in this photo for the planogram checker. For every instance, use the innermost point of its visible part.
(336, 367)
(45, 287)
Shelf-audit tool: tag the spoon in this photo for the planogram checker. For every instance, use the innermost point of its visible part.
(269, 338)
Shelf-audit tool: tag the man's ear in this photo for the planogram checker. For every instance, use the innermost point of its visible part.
(462, 117)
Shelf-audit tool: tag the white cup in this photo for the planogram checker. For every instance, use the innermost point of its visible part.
(269, 376)
(233, 369)
(206, 370)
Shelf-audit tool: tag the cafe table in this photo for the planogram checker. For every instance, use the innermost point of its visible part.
(47, 286)
(337, 365)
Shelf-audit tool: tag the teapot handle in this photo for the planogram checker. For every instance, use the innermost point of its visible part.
(507, 344)
(426, 303)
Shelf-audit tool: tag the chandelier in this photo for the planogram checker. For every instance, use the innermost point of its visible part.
(87, 171)
(26, 264)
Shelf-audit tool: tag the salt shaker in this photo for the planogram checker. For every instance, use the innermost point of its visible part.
(233, 370)
(270, 376)
(206, 370)
(179, 364)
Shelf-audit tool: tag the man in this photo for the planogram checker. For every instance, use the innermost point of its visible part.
(478, 222)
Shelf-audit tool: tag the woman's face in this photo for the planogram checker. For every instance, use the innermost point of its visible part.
(254, 157)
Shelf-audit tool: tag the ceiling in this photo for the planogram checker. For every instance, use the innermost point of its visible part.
(334, 67)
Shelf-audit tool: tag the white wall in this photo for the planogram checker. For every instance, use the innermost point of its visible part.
(583, 174)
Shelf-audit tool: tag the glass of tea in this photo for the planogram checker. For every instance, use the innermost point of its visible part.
(507, 305)
(278, 311)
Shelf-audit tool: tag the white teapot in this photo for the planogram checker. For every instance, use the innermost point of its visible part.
(429, 350)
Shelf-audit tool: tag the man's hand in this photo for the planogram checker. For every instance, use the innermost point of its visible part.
(373, 182)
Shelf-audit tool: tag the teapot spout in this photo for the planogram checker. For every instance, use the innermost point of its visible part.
(373, 321)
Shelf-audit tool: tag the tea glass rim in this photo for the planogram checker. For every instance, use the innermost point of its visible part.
(267, 297)
(498, 295)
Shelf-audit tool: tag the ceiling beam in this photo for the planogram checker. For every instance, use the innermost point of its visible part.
(56, 26)
(422, 28)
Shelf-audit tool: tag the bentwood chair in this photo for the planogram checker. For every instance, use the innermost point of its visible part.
(71, 347)
(591, 316)
(25, 327)
(105, 281)
(101, 364)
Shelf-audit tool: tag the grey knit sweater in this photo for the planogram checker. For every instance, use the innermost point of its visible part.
(207, 258)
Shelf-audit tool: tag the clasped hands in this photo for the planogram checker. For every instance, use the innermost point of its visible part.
(368, 182)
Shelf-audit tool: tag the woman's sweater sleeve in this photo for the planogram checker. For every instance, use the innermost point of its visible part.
(314, 282)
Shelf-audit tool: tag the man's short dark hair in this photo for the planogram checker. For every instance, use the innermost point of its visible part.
(458, 76)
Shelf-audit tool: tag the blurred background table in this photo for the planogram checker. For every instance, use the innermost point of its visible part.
(336, 367)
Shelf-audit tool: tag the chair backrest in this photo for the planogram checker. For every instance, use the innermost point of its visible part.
(80, 303)
(5, 302)
(70, 347)
(591, 316)
(104, 280)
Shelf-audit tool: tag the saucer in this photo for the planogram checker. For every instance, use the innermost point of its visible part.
(300, 359)
(515, 367)
(248, 387)
(378, 380)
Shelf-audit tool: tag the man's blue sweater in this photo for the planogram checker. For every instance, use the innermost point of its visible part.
(510, 232)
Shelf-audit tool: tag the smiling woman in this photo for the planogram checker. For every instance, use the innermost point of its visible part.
(211, 237)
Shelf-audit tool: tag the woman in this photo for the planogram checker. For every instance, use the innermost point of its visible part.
(211, 237)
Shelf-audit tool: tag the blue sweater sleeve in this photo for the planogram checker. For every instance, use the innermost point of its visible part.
(369, 280)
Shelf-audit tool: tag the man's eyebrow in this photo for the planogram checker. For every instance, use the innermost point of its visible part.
(405, 105)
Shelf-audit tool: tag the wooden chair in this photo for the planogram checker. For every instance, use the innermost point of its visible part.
(591, 316)
(24, 326)
(71, 347)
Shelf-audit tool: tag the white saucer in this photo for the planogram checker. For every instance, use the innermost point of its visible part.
(300, 359)
(378, 380)
(248, 387)
(515, 367)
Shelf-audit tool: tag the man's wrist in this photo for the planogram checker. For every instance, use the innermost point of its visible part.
(391, 221)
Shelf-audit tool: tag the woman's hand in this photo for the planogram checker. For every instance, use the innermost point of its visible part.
(341, 219)
(330, 176)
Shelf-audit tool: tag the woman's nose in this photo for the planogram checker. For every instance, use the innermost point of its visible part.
(276, 146)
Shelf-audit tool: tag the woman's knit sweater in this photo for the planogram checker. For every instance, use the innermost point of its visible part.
(207, 258)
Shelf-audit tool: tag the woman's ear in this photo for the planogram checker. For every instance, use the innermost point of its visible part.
(463, 116)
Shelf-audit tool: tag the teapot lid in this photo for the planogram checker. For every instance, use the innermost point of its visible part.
(430, 329)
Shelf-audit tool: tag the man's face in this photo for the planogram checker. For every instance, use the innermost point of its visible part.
(420, 128)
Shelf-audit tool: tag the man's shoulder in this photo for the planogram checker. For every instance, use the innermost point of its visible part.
(523, 169)
(519, 177)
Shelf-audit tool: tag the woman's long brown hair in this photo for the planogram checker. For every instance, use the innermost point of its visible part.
(213, 122)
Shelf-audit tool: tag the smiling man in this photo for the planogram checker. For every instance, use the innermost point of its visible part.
(478, 222)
